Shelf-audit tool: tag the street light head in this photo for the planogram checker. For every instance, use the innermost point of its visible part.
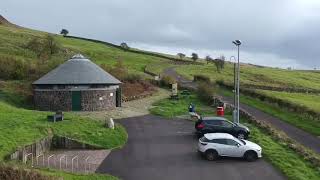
(237, 42)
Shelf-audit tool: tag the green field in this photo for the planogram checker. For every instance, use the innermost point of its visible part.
(172, 108)
(310, 101)
(13, 43)
(253, 75)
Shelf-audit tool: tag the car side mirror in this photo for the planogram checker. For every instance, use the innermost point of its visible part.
(238, 145)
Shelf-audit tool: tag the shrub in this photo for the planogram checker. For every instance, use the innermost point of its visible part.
(119, 71)
(124, 46)
(205, 92)
(12, 68)
(201, 78)
(167, 81)
(132, 78)
(11, 173)
(44, 47)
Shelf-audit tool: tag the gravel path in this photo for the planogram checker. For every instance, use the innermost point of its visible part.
(133, 108)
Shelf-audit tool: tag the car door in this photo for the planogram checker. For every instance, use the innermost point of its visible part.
(227, 127)
(221, 146)
(215, 126)
(234, 148)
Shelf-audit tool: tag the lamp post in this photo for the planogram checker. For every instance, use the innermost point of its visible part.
(238, 43)
(234, 112)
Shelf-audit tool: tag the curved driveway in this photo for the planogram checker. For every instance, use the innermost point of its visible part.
(165, 149)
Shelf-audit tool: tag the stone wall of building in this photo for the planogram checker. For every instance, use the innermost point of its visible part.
(53, 100)
(98, 100)
(59, 99)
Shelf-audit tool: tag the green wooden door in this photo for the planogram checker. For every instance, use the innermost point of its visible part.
(76, 101)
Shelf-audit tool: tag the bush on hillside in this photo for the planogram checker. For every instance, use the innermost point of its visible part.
(167, 81)
(201, 78)
(133, 78)
(12, 68)
(44, 48)
(205, 92)
(120, 71)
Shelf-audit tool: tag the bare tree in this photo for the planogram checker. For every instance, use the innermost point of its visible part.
(208, 59)
(219, 63)
(181, 55)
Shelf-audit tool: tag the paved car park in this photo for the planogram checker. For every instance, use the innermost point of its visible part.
(160, 148)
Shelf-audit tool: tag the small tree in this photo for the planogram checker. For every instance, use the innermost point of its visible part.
(208, 59)
(181, 55)
(64, 32)
(194, 56)
(219, 63)
(51, 46)
(124, 46)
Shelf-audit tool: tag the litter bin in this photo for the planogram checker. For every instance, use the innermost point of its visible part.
(220, 111)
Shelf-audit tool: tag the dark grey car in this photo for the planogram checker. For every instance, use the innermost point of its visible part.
(221, 125)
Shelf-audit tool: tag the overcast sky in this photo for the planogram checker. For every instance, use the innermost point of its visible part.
(279, 33)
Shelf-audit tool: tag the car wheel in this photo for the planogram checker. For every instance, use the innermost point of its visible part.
(250, 156)
(241, 135)
(211, 155)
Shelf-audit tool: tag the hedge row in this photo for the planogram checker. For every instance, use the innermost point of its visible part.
(300, 109)
(272, 88)
(281, 137)
(135, 51)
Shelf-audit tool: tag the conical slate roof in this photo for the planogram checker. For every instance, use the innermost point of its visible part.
(77, 70)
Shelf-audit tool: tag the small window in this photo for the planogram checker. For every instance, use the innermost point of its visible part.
(214, 122)
(226, 124)
(111, 94)
(219, 141)
(231, 142)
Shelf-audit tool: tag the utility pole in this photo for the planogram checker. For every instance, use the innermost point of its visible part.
(238, 43)
(234, 112)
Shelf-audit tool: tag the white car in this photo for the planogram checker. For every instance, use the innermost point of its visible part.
(213, 145)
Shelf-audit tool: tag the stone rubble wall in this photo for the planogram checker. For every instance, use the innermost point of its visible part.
(53, 100)
(91, 99)
(98, 100)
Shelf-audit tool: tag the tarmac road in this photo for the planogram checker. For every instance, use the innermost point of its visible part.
(165, 149)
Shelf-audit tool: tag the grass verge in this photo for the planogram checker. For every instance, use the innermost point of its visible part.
(309, 125)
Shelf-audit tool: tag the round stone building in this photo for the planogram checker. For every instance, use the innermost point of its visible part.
(77, 85)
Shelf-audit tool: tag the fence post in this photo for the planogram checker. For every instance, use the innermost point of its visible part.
(26, 158)
(72, 160)
(63, 156)
(85, 165)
